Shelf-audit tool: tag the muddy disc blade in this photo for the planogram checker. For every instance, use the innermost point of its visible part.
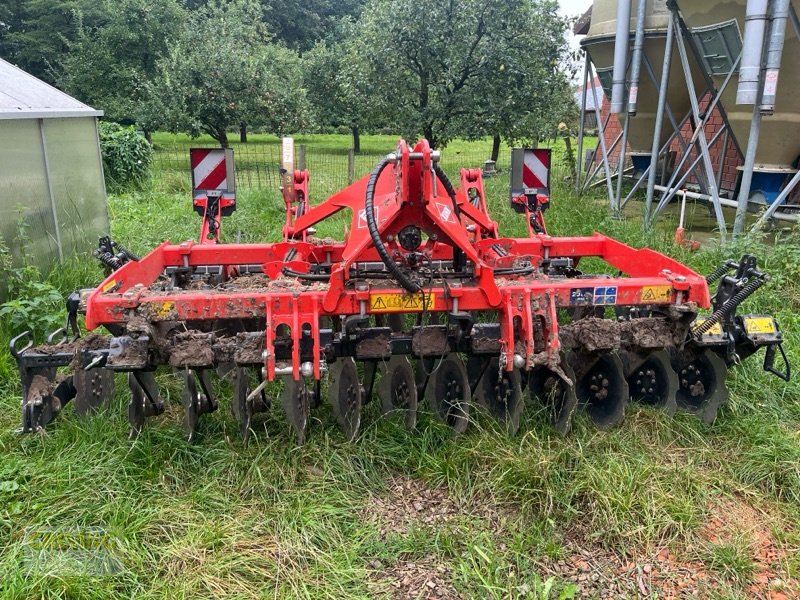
(295, 399)
(94, 388)
(398, 391)
(346, 396)
(191, 404)
(603, 392)
(702, 388)
(500, 393)
(655, 383)
(448, 393)
(476, 367)
(556, 394)
(240, 406)
(136, 407)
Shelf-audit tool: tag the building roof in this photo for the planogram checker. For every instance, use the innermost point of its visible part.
(23, 96)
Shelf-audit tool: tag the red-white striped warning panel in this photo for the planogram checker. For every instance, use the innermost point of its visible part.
(536, 169)
(212, 169)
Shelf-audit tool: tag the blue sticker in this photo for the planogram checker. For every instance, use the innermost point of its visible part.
(581, 296)
(605, 295)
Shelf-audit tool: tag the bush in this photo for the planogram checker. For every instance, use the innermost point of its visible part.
(126, 156)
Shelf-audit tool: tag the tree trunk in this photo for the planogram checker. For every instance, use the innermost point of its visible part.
(222, 138)
(428, 132)
(356, 139)
(243, 133)
(495, 147)
(148, 135)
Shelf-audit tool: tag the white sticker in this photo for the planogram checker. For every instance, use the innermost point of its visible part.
(445, 212)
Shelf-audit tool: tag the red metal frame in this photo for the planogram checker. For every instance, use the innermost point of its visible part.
(404, 196)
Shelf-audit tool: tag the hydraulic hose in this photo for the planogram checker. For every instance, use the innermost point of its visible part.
(404, 280)
(458, 255)
(448, 187)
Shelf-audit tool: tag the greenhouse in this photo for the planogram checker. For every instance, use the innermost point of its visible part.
(52, 193)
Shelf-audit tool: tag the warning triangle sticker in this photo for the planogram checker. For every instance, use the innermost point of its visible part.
(379, 303)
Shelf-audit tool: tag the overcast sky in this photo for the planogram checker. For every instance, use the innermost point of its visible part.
(573, 8)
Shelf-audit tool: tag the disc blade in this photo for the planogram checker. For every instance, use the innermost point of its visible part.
(603, 392)
(655, 382)
(476, 366)
(556, 393)
(191, 404)
(136, 407)
(448, 394)
(398, 391)
(501, 395)
(346, 396)
(701, 380)
(295, 400)
(240, 407)
(94, 389)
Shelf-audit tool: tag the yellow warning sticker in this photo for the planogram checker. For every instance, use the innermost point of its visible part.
(755, 325)
(657, 293)
(110, 285)
(165, 309)
(716, 329)
(400, 302)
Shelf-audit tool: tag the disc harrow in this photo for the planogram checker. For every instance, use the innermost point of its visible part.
(424, 299)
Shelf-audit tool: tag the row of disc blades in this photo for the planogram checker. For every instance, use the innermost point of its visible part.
(450, 386)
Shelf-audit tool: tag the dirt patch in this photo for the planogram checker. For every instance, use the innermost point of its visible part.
(92, 341)
(412, 504)
(591, 334)
(426, 578)
(734, 521)
(429, 341)
(192, 349)
(40, 389)
(677, 573)
(249, 348)
(373, 346)
(650, 333)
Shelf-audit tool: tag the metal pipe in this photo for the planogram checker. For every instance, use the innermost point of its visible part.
(777, 33)
(620, 56)
(621, 165)
(636, 59)
(662, 101)
(602, 143)
(672, 184)
(795, 21)
(708, 167)
(755, 28)
(581, 126)
(770, 212)
(791, 218)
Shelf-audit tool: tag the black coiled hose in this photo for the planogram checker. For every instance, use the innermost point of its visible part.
(404, 280)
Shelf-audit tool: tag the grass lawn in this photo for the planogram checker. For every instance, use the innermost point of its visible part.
(657, 506)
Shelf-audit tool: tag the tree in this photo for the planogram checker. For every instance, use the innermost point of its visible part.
(220, 73)
(526, 89)
(111, 61)
(300, 25)
(337, 90)
(439, 67)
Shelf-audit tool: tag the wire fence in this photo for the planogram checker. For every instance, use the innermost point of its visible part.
(331, 168)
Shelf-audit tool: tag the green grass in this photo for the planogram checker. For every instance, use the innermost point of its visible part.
(216, 519)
